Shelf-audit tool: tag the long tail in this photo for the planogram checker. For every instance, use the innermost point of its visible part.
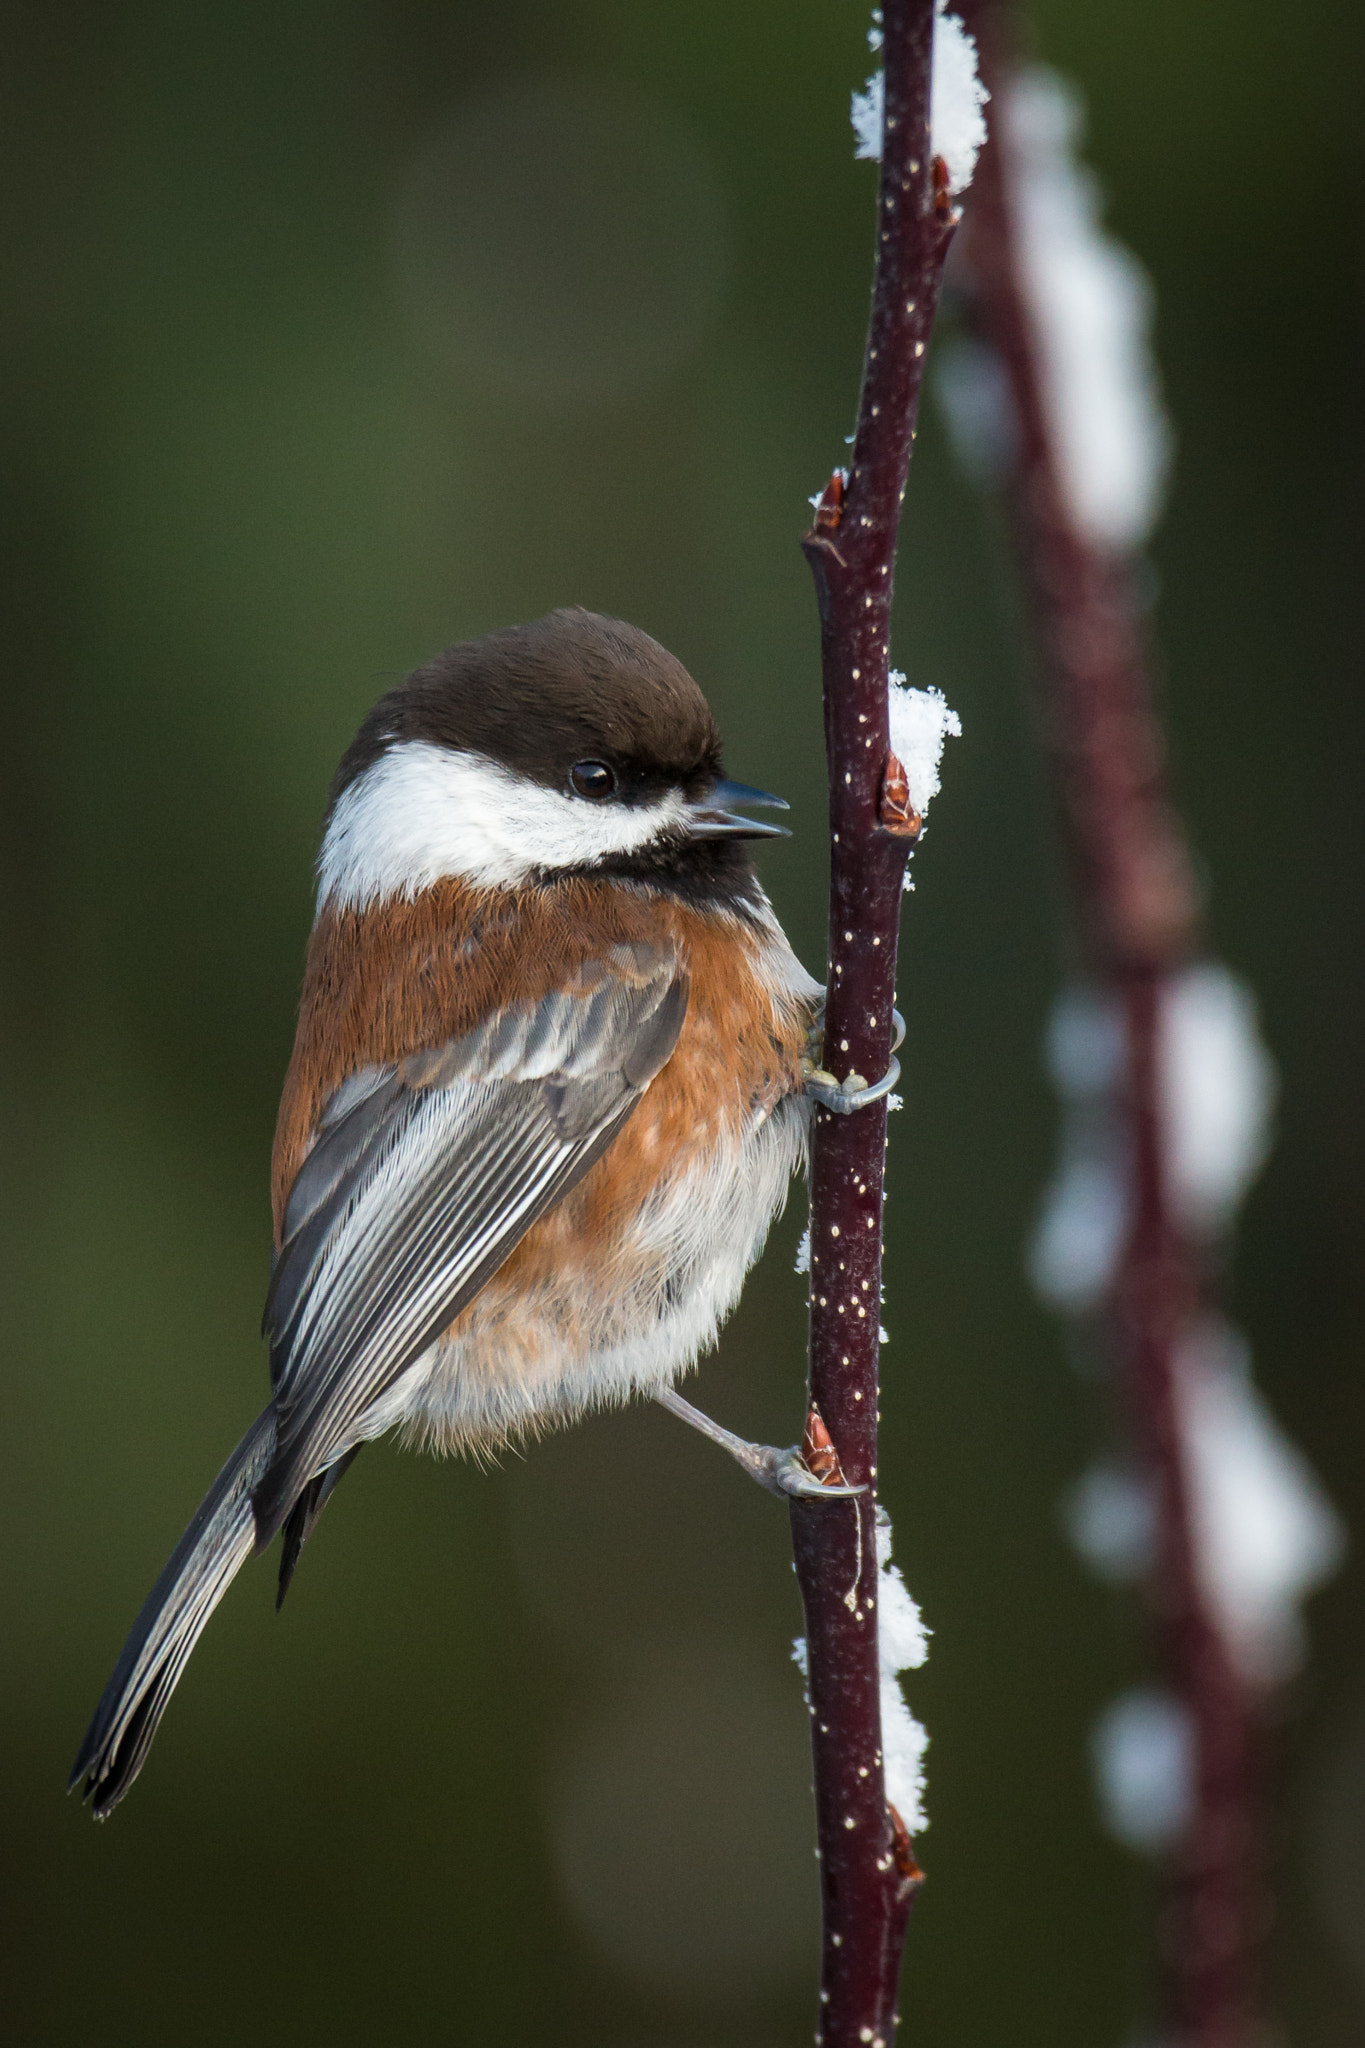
(207, 1559)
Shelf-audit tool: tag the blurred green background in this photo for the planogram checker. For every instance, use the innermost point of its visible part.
(332, 334)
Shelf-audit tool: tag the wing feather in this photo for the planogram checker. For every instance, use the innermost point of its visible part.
(424, 1178)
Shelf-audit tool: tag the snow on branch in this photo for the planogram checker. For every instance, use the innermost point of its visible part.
(1266, 1535)
(920, 722)
(902, 1645)
(1218, 1093)
(957, 126)
(1142, 1751)
(1219, 1086)
(1090, 304)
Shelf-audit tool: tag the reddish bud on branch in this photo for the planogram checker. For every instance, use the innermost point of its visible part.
(903, 1852)
(830, 509)
(818, 1453)
(895, 812)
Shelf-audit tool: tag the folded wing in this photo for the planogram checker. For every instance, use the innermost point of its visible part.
(424, 1177)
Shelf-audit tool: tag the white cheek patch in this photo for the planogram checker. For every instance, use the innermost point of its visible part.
(422, 814)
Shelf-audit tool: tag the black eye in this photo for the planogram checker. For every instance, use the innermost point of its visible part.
(592, 779)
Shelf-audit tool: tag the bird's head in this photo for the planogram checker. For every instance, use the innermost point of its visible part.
(575, 744)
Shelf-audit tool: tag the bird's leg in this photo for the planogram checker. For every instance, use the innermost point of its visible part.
(789, 1472)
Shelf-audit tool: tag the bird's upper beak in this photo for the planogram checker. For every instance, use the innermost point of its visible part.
(713, 818)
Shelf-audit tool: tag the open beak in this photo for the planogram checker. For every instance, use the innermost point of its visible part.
(714, 819)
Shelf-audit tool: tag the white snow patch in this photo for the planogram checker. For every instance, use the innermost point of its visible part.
(1218, 1087)
(1079, 1235)
(920, 722)
(1265, 1533)
(867, 112)
(1142, 1749)
(1110, 1516)
(957, 126)
(902, 1645)
(1091, 305)
(1219, 1084)
(1084, 1218)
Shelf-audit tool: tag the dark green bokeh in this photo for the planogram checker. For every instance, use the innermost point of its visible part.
(524, 1757)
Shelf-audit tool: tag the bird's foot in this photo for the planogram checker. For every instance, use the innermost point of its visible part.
(854, 1091)
(808, 1471)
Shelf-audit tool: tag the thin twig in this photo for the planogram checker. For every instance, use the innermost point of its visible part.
(868, 1873)
(1137, 912)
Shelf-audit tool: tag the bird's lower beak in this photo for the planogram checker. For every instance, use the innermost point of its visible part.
(714, 819)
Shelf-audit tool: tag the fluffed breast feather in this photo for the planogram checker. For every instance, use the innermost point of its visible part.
(440, 1114)
(384, 985)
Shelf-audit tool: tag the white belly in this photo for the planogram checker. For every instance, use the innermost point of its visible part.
(550, 1354)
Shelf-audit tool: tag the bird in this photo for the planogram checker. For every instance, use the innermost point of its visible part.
(546, 1097)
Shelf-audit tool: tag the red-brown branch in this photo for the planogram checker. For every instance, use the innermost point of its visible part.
(1137, 910)
(868, 1873)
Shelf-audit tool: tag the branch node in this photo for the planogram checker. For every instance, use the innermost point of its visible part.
(813, 540)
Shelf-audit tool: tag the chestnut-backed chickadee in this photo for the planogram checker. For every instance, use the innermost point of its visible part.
(545, 1100)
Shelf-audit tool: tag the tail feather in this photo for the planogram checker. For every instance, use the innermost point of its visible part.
(206, 1560)
(303, 1516)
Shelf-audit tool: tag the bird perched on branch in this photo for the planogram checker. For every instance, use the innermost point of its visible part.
(545, 1100)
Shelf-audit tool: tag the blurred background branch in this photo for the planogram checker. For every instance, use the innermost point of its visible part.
(1157, 1045)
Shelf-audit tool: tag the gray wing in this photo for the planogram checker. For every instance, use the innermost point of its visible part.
(425, 1177)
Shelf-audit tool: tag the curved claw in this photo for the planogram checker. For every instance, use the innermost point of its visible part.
(837, 1095)
(830, 1093)
(787, 1472)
